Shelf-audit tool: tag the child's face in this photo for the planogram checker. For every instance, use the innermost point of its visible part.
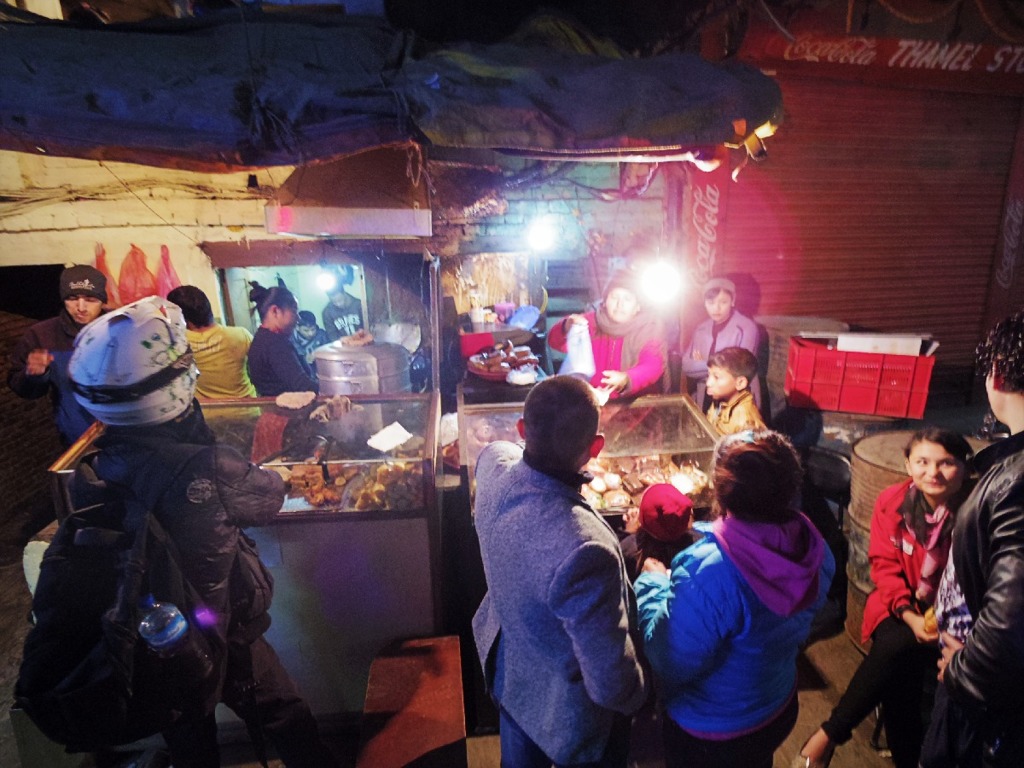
(306, 331)
(722, 385)
(719, 307)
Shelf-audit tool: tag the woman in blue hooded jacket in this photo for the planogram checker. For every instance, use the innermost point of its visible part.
(723, 627)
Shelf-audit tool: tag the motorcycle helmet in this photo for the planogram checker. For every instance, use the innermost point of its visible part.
(133, 366)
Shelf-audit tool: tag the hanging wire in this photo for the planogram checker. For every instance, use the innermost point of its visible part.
(911, 18)
(778, 24)
(148, 206)
(988, 16)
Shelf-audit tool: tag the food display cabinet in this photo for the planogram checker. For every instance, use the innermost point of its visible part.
(653, 439)
(354, 548)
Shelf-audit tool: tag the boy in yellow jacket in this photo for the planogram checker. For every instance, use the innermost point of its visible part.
(733, 408)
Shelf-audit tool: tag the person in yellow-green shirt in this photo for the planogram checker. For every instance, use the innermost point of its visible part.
(220, 350)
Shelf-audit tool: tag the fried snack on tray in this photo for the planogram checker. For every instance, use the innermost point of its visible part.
(294, 400)
(592, 497)
(618, 498)
(360, 338)
(621, 481)
(332, 410)
(308, 480)
(503, 358)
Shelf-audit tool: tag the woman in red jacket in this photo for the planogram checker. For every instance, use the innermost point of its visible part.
(910, 538)
(628, 342)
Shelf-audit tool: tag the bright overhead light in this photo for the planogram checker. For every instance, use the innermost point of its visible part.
(542, 234)
(660, 282)
(326, 280)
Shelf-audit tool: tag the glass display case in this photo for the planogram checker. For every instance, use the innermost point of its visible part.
(654, 439)
(354, 550)
(324, 453)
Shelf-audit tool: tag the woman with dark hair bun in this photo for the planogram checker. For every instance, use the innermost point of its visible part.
(274, 365)
(723, 627)
(911, 531)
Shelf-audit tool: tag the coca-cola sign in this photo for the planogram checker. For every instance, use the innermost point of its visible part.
(704, 209)
(859, 51)
(956, 66)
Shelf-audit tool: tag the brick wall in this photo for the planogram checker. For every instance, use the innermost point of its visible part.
(28, 437)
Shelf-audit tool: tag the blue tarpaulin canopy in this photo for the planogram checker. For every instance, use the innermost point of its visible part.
(248, 90)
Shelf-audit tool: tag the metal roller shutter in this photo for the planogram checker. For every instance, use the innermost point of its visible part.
(879, 207)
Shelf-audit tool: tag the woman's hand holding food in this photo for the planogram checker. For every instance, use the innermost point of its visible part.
(916, 623)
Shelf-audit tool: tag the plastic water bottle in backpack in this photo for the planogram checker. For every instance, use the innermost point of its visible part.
(165, 629)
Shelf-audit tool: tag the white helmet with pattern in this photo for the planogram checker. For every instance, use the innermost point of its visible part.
(133, 366)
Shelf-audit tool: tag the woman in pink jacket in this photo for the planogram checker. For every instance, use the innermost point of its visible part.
(628, 342)
(910, 537)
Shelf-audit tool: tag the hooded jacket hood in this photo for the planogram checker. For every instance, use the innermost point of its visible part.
(780, 561)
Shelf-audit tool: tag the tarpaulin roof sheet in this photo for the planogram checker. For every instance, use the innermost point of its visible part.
(248, 90)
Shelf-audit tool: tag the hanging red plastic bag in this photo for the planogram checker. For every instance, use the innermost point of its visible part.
(166, 278)
(113, 299)
(136, 282)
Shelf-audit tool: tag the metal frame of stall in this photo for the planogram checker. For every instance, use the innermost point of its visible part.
(298, 651)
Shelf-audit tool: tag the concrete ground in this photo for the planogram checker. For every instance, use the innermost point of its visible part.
(825, 667)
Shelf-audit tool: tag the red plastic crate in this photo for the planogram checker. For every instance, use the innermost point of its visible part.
(856, 382)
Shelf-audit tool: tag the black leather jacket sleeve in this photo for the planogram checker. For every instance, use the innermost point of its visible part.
(989, 560)
(250, 495)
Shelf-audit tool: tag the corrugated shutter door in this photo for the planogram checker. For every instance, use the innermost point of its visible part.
(879, 207)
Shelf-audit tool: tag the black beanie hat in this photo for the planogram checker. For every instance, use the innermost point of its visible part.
(82, 280)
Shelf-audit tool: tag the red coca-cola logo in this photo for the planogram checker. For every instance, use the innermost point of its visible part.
(859, 51)
(704, 217)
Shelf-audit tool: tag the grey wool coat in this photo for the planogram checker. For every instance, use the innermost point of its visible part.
(553, 630)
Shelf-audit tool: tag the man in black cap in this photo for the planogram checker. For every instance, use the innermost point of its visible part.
(39, 361)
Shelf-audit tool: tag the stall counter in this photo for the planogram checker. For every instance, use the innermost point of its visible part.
(354, 549)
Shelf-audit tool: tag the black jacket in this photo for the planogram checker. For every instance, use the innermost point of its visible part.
(988, 555)
(57, 335)
(203, 494)
(275, 366)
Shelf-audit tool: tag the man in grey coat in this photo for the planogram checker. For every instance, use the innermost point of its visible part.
(553, 630)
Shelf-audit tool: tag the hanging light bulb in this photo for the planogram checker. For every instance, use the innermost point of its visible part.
(542, 234)
(326, 280)
(660, 282)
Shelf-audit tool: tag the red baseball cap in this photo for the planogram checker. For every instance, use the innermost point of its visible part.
(665, 512)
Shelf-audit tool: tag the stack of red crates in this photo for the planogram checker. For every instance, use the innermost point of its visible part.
(856, 382)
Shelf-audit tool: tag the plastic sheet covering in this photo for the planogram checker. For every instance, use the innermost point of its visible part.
(242, 89)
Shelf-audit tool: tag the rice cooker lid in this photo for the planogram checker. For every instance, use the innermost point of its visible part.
(389, 357)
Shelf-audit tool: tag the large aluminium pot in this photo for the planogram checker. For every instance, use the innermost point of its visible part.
(376, 368)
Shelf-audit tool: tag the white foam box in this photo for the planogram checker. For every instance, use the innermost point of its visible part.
(881, 343)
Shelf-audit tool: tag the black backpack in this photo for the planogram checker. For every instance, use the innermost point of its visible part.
(87, 680)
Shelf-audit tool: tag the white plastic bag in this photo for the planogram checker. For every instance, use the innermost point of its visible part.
(579, 354)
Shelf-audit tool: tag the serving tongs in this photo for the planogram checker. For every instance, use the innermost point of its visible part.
(316, 447)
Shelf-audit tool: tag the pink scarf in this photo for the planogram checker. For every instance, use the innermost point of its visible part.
(932, 529)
